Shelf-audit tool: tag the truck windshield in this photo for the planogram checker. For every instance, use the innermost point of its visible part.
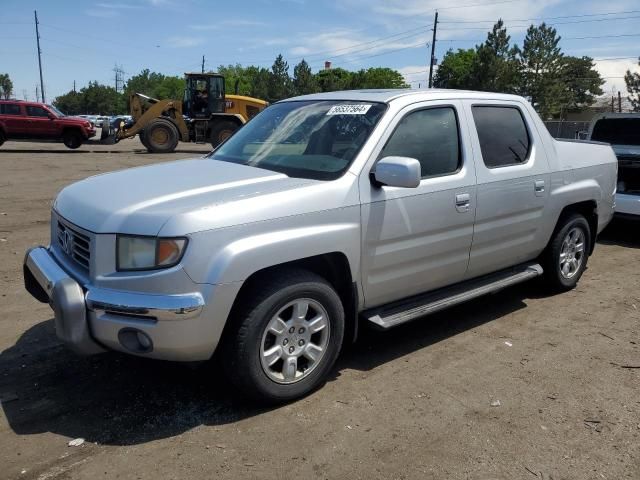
(617, 131)
(306, 139)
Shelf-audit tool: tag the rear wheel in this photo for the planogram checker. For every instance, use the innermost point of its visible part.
(222, 130)
(72, 139)
(285, 338)
(161, 136)
(2, 138)
(565, 258)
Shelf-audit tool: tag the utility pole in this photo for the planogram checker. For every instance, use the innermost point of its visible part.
(202, 63)
(619, 102)
(433, 48)
(119, 77)
(613, 104)
(74, 86)
(35, 14)
(37, 93)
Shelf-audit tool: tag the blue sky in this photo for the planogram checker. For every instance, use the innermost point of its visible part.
(83, 40)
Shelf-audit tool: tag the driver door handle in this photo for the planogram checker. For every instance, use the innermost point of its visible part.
(463, 202)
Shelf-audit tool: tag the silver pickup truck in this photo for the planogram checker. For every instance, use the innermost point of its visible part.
(325, 211)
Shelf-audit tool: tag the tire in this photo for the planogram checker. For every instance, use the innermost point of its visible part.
(143, 140)
(258, 359)
(161, 136)
(565, 258)
(72, 139)
(2, 138)
(221, 130)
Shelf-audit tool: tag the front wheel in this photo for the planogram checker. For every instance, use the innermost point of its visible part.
(72, 139)
(161, 136)
(285, 338)
(565, 258)
(220, 131)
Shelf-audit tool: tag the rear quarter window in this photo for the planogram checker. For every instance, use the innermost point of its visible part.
(9, 109)
(503, 135)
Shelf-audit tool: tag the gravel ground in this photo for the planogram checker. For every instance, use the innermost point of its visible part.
(516, 385)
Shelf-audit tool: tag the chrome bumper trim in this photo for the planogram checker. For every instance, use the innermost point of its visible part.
(159, 307)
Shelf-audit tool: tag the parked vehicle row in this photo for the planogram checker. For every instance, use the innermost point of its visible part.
(38, 121)
(324, 212)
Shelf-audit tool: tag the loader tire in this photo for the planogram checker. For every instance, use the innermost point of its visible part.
(161, 136)
(220, 131)
(143, 140)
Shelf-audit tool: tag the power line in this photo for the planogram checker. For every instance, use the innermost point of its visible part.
(551, 24)
(545, 18)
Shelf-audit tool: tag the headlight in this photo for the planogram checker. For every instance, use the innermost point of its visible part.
(148, 253)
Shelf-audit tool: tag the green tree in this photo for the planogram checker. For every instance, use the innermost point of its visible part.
(6, 86)
(542, 64)
(582, 82)
(259, 78)
(71, 103)
(233, 73)
(170, 87)
(146, 82)
(334, 79)
(377, 77)
(455, 69)
(304, 82)
(279, 82)
(494, 66)
(102, 100)
(633, 87)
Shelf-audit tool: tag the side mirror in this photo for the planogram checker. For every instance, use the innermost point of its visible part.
(402, 172)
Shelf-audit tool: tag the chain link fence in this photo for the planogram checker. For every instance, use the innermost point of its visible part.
(566, 129)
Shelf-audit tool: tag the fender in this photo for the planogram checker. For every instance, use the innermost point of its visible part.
(238, 252)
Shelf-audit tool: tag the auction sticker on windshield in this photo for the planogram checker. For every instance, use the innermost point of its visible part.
(349, 109)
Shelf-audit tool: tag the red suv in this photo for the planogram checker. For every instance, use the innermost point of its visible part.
(37, 121)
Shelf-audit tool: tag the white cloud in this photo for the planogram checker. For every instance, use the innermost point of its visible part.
(615, 70)
(184, 42)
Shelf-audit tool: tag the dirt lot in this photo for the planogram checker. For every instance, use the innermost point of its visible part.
(413, 403)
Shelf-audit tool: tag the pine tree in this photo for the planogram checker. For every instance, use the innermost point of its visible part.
(279, 82)
(494, 67)
(633, 87)
(542, 63)
(304, 81)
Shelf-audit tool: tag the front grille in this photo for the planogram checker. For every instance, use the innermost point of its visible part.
(75, 244)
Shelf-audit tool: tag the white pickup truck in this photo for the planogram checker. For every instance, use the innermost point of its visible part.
(324, 212)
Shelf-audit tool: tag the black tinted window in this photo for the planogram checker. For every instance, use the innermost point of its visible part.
(34, 111)
(431, 137)
(617, 131)
(503, 135)
(9, 109)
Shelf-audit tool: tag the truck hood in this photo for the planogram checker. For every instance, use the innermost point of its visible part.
(142, 200)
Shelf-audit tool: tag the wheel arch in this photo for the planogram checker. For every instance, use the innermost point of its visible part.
(589, 210)
(334, 267)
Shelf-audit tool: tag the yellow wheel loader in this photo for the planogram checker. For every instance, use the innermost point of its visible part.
(205, 115)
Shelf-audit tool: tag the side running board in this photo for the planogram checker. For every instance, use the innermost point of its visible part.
(394, 314)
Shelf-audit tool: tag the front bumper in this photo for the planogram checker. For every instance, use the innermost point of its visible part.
(89, 319)
(627, 204)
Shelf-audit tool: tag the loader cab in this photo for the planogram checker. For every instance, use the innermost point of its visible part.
(204, 95)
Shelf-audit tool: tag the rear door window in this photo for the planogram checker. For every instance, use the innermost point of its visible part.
(502, 132)
(617, 131)
(35, 111)
(9, 109)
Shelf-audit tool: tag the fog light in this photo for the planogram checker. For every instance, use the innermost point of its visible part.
(134, 340)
